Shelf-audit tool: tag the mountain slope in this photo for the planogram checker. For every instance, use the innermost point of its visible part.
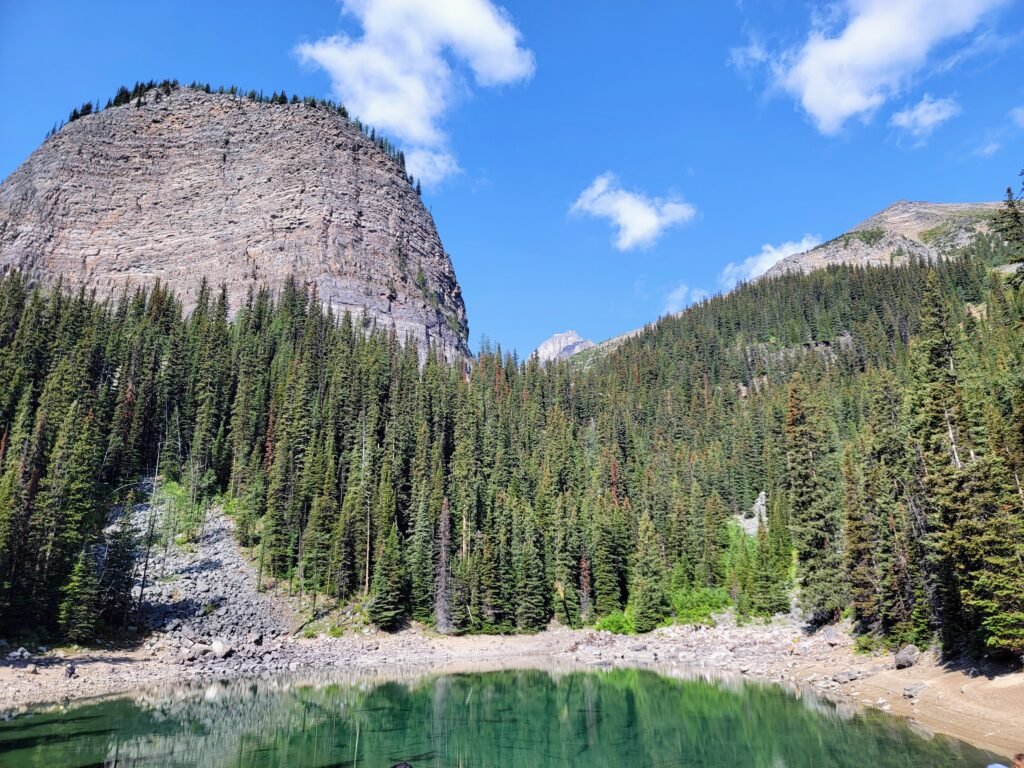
(904, 229)
(185, 184)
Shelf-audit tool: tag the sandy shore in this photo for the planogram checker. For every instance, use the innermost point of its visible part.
(188, 620)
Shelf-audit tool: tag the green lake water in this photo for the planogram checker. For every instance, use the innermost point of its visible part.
(511, 719)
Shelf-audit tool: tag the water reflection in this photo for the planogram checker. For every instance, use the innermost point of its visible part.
(510, 718)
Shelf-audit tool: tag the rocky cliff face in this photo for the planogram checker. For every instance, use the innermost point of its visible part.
(904, 229)
(192, 185)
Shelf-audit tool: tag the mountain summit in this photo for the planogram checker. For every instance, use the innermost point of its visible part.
(182, 184)
(562, 346)
(904, 229)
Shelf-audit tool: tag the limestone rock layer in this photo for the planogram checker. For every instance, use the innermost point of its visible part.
(191, 185)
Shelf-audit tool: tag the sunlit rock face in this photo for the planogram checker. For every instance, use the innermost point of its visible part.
(562, 346)
(189, 185)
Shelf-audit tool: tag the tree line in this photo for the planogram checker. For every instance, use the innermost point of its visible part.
(879, 410)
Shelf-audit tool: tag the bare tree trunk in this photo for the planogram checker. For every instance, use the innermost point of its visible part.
(952, 441)
(442, 593)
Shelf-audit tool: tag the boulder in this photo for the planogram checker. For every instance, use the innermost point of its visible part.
(846, 676)
(221, 649)
(907, 656)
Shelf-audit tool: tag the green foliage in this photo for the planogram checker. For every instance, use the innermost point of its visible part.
(386, 607)
(877, 414)
(77, 614)
(697, 606)
(870, 236)
(616, 622)
(646, 588)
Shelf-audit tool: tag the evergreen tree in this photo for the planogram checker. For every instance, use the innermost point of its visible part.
(646, 586)
(815, 519)
(387, 604)
(78, 607)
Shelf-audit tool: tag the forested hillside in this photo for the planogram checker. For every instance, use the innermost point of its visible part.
(881, 410)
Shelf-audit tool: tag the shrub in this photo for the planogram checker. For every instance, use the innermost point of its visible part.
(616, 622)
(695, 606)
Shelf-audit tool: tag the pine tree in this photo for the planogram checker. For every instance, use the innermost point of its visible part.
(815, 518)
(386, 608)
(646, 585)
(530, 592)
(78, 607)
(767, 591)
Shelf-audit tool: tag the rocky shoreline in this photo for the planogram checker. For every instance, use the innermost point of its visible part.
(203, 621)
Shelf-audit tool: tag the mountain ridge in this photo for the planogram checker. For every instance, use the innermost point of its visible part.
(900, 231)
(905, 229)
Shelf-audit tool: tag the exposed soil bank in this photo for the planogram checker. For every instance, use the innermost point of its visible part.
(206, 608)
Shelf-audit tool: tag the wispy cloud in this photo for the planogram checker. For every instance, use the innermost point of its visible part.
(404, 73)
(862, 53)
(1017, 115)
(925, 116)
(682, 296)
(988, 149)
(638, 218)
(765, 259)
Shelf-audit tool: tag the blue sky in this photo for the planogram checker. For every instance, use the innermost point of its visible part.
(592, 165)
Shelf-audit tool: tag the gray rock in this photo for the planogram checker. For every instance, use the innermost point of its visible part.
(915, 690)
(846, 676)
(832, 636)
(198, 650)
(221, 649)
(907, 656)
(905, 228)
(239, 192)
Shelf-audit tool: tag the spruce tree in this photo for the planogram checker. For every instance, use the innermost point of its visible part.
(386, 608)
(77, 614)
(646, 585)
(815, 514)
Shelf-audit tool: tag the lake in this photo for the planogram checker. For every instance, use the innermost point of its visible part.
(523, 718)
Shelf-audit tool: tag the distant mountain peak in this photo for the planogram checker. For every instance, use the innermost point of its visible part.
(562, 346)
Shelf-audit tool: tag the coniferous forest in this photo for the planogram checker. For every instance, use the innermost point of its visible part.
(879, 410)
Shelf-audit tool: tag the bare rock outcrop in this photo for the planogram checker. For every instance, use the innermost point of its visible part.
(562, 346)
(901, 231)
(189, 184)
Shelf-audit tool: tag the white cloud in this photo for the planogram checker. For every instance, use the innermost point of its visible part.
(402, 75)
(748, 56)
(769, 256)
(1017, 115)
(682, 296)
(851, 72)
(925, 116)
(988, 149)
(639, 219)
(431, 167)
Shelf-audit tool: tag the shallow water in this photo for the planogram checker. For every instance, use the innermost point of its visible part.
(511, 719)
